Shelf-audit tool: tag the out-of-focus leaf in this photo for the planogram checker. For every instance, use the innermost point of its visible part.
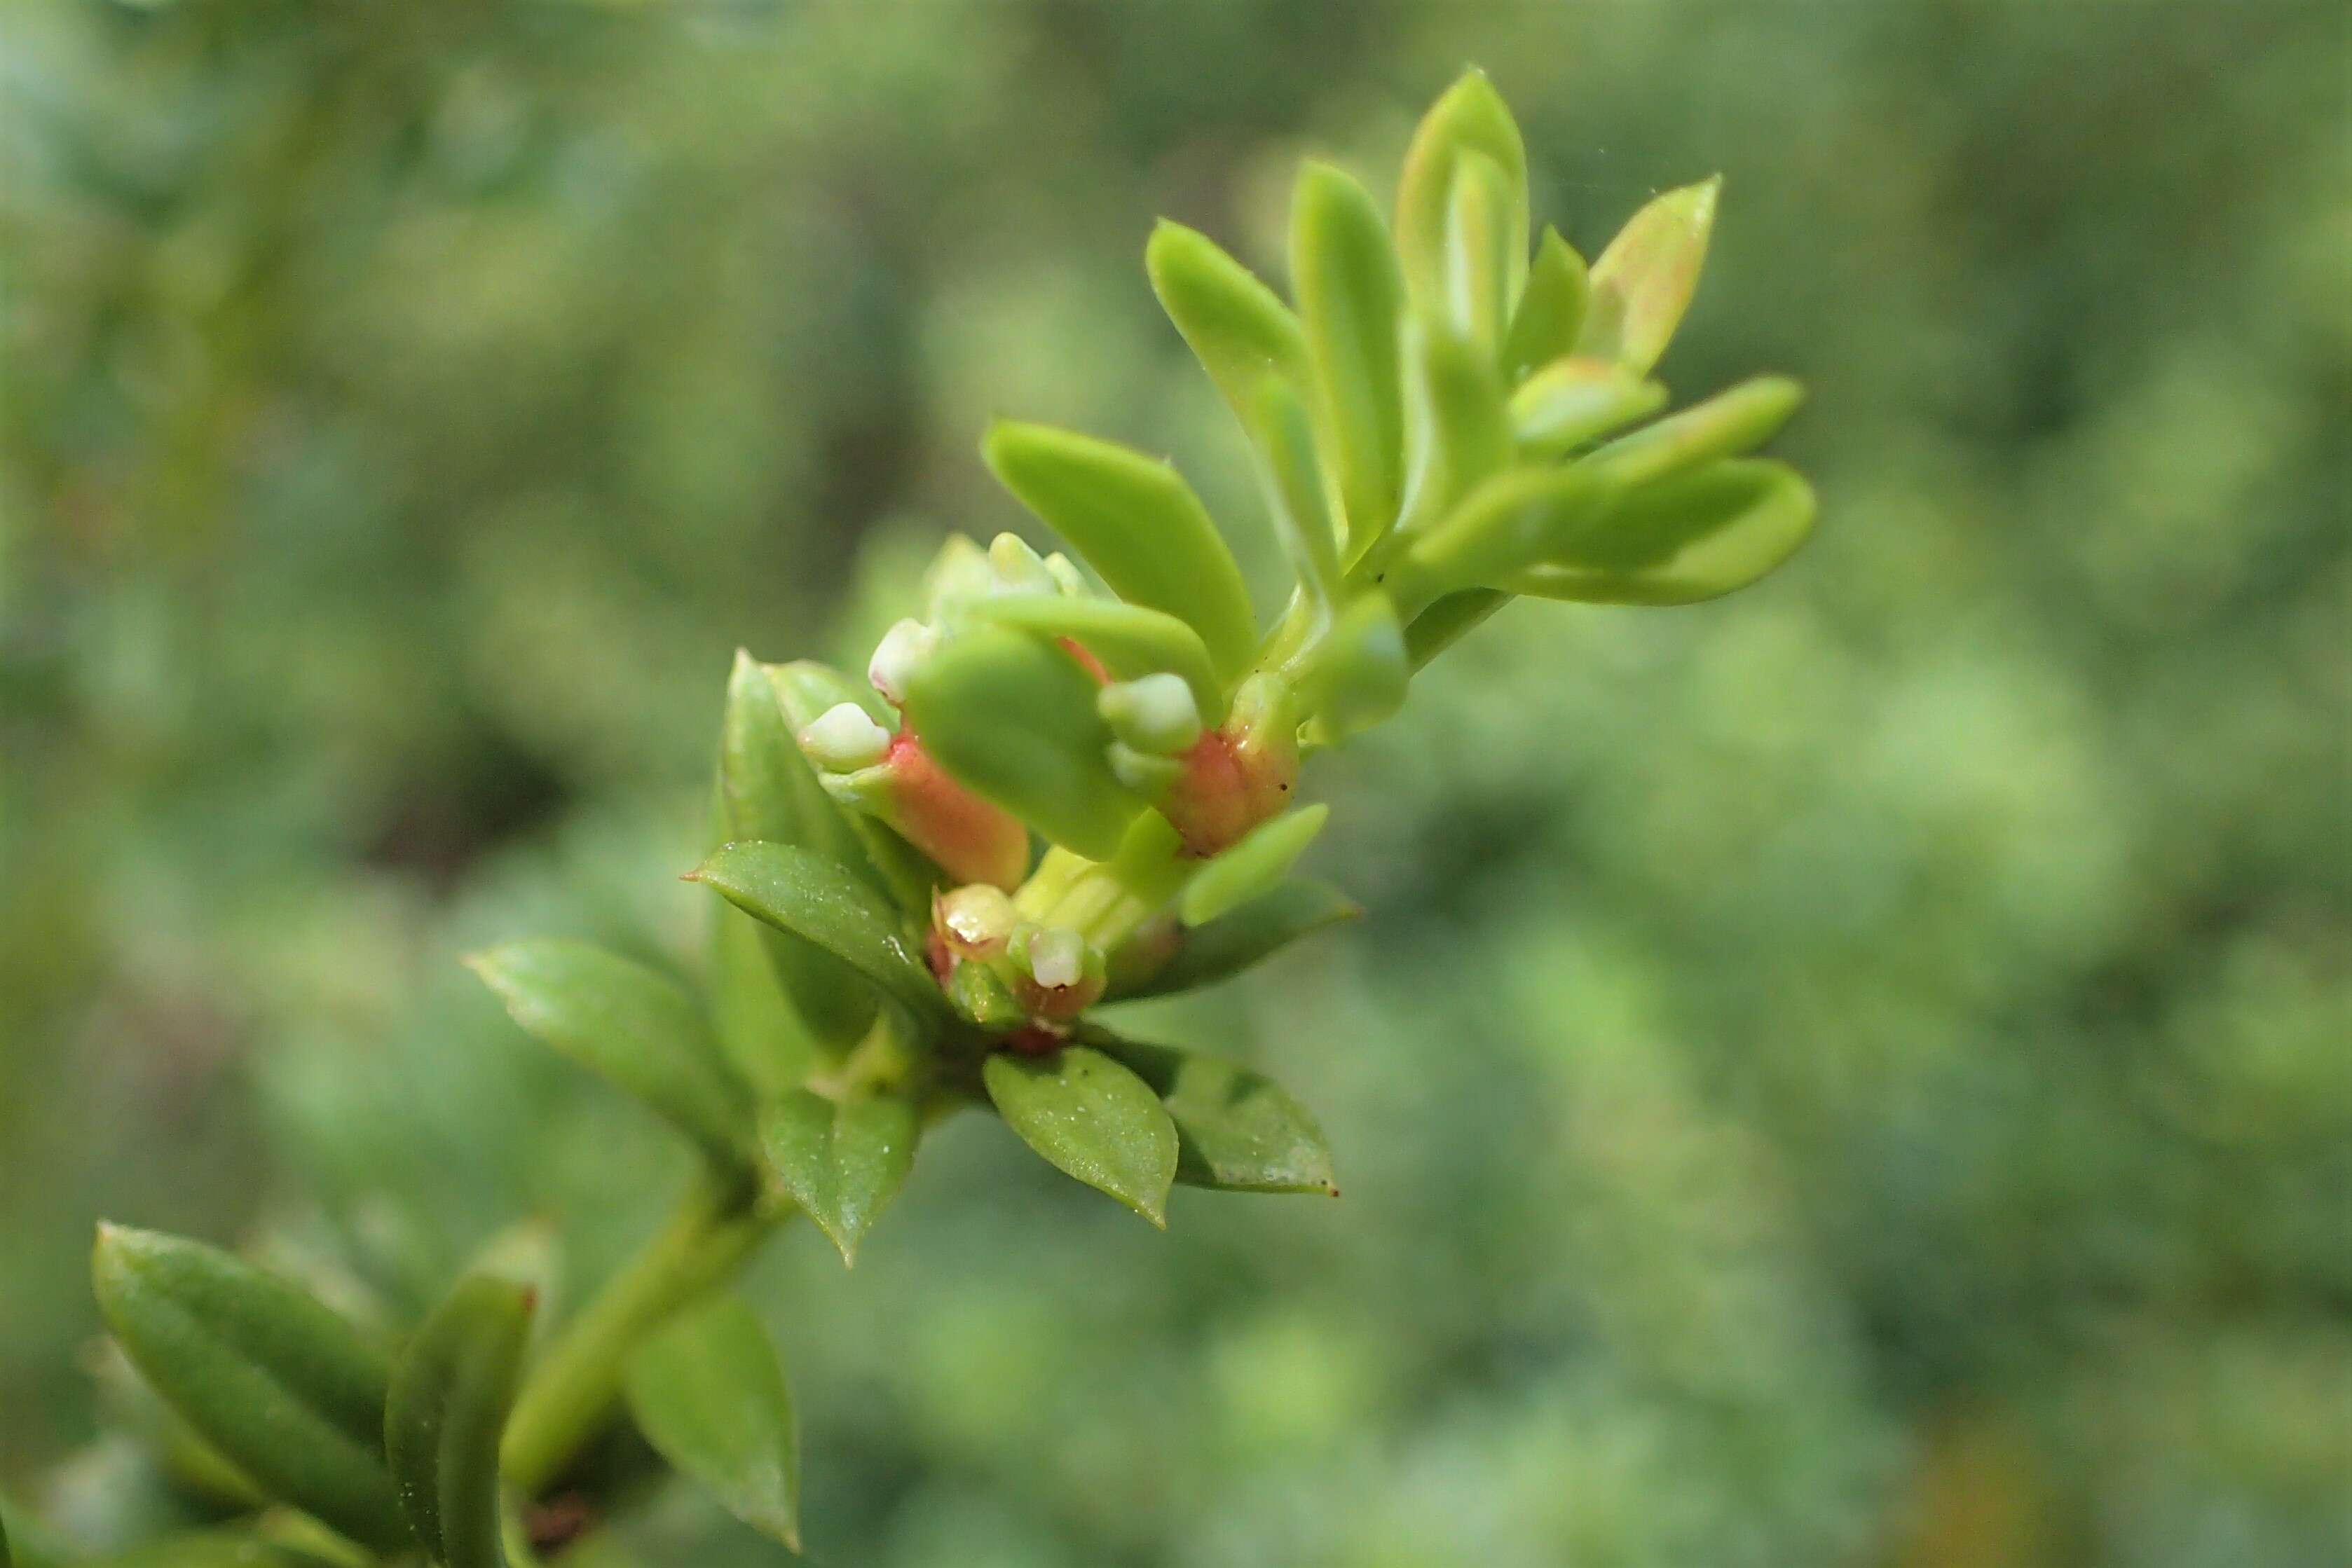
(1551, 309)
(451, 1390)
(1253, 867)
(795, 890)
(1512, 520)
(1460, 430)
(1737, 419)
(1092, 1119)
(1645, 279)
(842, 1162)
(1359, 671)
(710, 1397)
(1471, 117)
(1486, 259)
(1291, 477)
(1138, 524)
(1237, 1129)
(767, 790)
(1014, 720)
(1130, 639)
(761, 1032)
(1350, 300)
(200, 1548)
(1448, 620)
(283, 1386)
(1570, 402)
(1249, 935)
(634, 1027)
(1237, 327)
(1687, 538)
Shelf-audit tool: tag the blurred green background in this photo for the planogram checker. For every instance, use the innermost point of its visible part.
(1856, 1074)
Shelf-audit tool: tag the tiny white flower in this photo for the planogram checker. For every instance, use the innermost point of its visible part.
(844, 738)
(902, 650)
(1058, 957)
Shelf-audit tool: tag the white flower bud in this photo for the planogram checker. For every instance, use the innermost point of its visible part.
(900, 652)
(1019, 568)
(844, 738)
(1154, 714)
(1058, 957)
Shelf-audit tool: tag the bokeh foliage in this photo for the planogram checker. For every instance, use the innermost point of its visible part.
(1854, 1074)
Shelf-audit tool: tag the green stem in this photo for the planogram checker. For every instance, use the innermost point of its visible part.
(571, 1393)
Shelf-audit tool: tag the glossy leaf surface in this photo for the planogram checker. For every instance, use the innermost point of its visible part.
(1091, 1118)
(1240, 330)
(812, 897)
(451, 1390)
(1253, 867)
(1350, 299)
(1237, 1129)
(842, 1162)
(710, 1397)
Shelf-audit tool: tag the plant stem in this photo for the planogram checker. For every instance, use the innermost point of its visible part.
(571, 1393)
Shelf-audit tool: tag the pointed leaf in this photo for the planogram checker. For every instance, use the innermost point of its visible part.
(451, 1390)
(1237, 1129)
(1129, 640)
(1460, 430)
(1570, 402)
(1551, 309)
(1726, 424)
(1253, 867)
(1470, 118)
(710, 1395)
(768, 790)
(1485, 260)
(1645, 280)
(1014, 720)
(285, 1388)
(1292, 480)
(1448, 620)
(1350, 300)
(1248, 936)
(632, 1026)
(1138, 524)
(1092, 1119)
(809, 896)
(841, 1162)
(1237, 327)
(1685, 539)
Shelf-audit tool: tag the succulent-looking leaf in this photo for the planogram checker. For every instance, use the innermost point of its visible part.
(841, 1162)
(1737, 419)
(1687, 538)
(285, 1388)
(1512, 520)
(795, 890)
(1358, 674)
(1130, 639)
(710, 1395)
(1570, 402)
(1138, 524)
(767, 790)
(1645, 280)
(451, 1390)
(1486, 262)
(1448, 620)
(1237, 1129)
(1014, 718)
(1092, 1119)
(1292, 479)
(761, 1032)
(1237, 327)
(1551, 309)
(631, 1025)
(1471, 117)
(1249, 935)
(1253, 868)
(1460, 430)
(1350, 300)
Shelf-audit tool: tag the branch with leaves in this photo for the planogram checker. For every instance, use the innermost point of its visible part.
(1447, 414)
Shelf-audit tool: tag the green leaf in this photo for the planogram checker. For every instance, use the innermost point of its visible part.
(1248, 936)
(1092, 1119)
(285, 1388)
(1292, 480)
(1486, 261)
(1237, 327)
(1130, 639)
(1645, 280)
(1014, 720)
(1551, 309)
(809, 896)
(1253, 867)
(1513, 519)
(761, 1031)
(1350, 299)
(207, 1549)
(1237, 1129)
(710, 1395)
(451, 1390)
(1448, 620)
(842, 1162)
(903, 872)
(1470, 118)
(1357, 675)
(1685, 539)
(768, 792)
(635, 1028)
(1460, 431)
(1138, 524)
(1726, 424)
(1570, 402)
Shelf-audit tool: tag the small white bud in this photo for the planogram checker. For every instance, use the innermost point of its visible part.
(1154, 714)
(1019, 568)
(1064, 573)
(844, 738)
(1058, 957)
(902, 650)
